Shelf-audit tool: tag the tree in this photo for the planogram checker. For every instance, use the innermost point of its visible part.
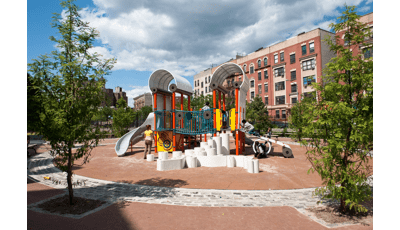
(70, 85)
(33, 103)
(340, 122)
(298, 119)
(122, 118)
(145, 111)
(258, 114)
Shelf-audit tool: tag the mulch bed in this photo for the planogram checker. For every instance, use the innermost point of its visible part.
(331, 215)
(61, 205)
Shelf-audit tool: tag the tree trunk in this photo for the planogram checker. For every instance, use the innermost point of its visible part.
(69, 178)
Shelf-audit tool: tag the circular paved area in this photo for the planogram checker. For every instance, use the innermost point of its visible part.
(41, 165)
(276, 172)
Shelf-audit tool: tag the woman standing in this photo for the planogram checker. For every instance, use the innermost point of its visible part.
(148, 140)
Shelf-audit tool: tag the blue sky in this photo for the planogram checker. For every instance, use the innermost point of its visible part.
(183, 37)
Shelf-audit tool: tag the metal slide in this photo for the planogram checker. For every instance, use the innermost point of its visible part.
(135, 135)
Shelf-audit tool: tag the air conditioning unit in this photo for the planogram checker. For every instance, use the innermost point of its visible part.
(305, 86)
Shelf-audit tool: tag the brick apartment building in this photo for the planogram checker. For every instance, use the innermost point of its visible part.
(143, 100)
(366, 50)
(113, 97)
(282, 73)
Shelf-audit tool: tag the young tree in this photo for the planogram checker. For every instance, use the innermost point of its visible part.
(70, 88)
(298, 119)
(145, 111)
(258, 114)
(122, 118)
(33, 103)
(340, 122)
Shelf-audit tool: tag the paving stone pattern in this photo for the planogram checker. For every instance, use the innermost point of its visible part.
(41, 166)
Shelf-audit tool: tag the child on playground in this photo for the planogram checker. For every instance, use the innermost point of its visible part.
(207, 106)
(148, 140)
(269, 132)
(249, 128)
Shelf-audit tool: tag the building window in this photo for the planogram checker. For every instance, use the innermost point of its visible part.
(205, 80)
(259, 89)
(251, 69)
(279, 72)
(308, 95)
(303, 50)
(252, 83)
(265, 61)
(310, 64)
(277, 113)
(368, 53)
(292, 58)
(308, 80)
(265, 74)
(206, 89)
(259, 76)
(195, 83)
(294, 100)
(208, 78)
(244, 68)
(280, 86)
(266, 100)
(276, 58)
(201, 84)
(259, 63)
(283, 114)
(312, 47)
(282, 56)
(202, 91)
(240, 78)
(252, 95)
(293, 75)
(280, 100)
(265, 88)
(294, 88)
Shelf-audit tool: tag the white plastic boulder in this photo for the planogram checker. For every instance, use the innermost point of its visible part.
(218, 144)
(150, 157)
(225, 144)
(176, 154)
(211, 152)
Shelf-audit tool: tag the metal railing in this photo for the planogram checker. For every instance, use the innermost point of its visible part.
(186, 122)
(194, 122)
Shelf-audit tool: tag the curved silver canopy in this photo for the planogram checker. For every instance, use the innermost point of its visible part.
(226, 70)
(161, 78)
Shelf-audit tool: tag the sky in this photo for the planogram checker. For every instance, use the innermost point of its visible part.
(183, 37)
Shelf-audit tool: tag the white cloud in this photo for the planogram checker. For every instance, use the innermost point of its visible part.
(364, 9)
(134, 92)
(186, 37)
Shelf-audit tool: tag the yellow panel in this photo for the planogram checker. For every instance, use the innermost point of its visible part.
(219, 119)
(232, 119)
(164, 141)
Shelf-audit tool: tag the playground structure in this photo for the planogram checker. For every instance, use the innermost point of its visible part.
(174, 127)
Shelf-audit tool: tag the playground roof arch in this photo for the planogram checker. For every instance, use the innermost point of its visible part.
(160, 79)
(226, 70)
